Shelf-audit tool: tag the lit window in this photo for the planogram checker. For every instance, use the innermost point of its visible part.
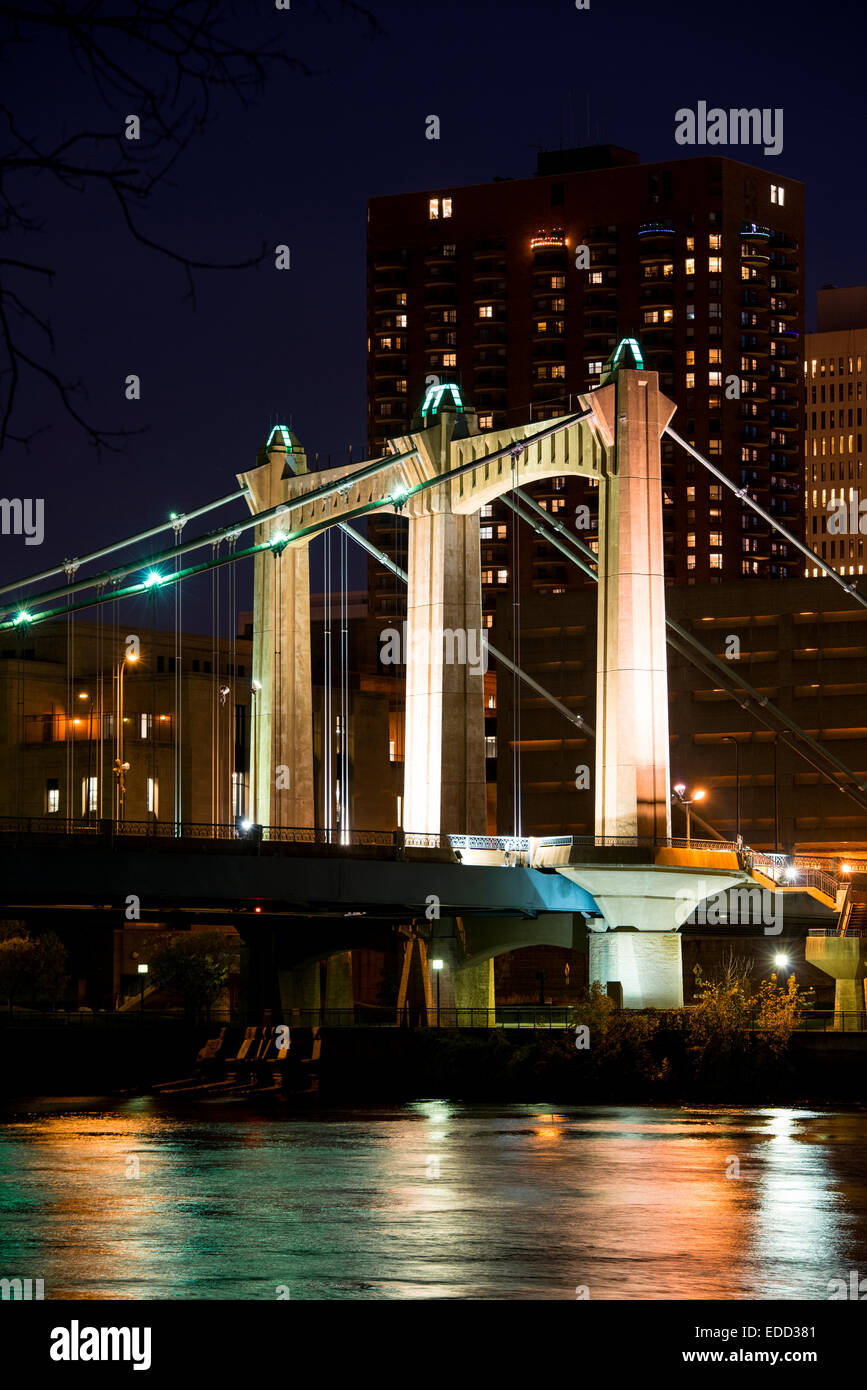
(715, 539)
(502, 531)
(400, 321)
(714, 354)
(487, 509)
(690, 243)
(714, 378)
(52, 796)
(690, 540)
(486, 311)
(715, 446)
(400, 297)
(447, 207)
(558, 305)
(433, 209)
(491, 746)
(558, 282)
(595, 277)
(558, 372)
(668, 270)
(714, 241)
(690, 562)
(778, 194)
(502, 576)
(689, 265)
(690, 357)
(486, 422)
(450, 359)
(487, 576)
(594, 368)
(153, 794)
(715, 560)
(89, 801)
(714, 265)
(690, 381)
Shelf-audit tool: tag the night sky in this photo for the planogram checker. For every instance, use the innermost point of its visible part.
(297, 167)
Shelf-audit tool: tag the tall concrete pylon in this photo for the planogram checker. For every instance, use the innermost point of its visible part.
(281, 743)
(632, 736)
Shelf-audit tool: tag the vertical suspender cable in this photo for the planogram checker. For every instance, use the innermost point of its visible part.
(327, 787)
(178, 693)
(344, 691)
(516, 658)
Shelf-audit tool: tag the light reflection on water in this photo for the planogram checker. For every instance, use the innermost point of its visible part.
(432, 1200)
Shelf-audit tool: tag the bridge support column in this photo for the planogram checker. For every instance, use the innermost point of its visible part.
(444, 771)
(845, 958)
(648, 965)
(464, 984)
(281, 735)
(300, 988)
(632, 750)
(414, 992)
(339, 993)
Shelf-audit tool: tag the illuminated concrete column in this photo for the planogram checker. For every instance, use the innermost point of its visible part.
(632, 751)
(444, 770)
(648, 964)
(844, 958)
(464, 983)
(281, 735)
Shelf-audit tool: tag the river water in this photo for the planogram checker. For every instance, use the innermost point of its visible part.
(431, 1200)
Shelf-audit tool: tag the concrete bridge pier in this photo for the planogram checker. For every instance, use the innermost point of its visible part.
(281, 788)
(464, 982)
(844, 958)
(647, 964)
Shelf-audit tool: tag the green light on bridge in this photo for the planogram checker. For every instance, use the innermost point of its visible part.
(434, 395)
(635, 352)
(284, 434)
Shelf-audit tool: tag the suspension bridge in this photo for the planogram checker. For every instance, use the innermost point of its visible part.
(437, 875)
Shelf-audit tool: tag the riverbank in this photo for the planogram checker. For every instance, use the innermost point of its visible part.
(631, 1064)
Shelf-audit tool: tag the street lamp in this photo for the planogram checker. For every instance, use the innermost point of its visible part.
(120, 767)
(727, 738)
(437, 965)
(142, 974)
(83, 695)
(698, 794)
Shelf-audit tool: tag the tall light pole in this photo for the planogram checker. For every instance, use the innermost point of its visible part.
(83, 695)
(776, 801)
(698, 795)
(120, 767)
(727, 738)
(436, 966)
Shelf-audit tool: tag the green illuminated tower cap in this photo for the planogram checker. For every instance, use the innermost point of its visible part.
(441, 397)
(626, 354)
(281, 439)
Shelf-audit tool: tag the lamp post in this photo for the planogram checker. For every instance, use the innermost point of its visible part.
(698, 795)
(727, 738)
(776, 801)
(437, 966)
(120, 767)
(83, 695)
(142, 974)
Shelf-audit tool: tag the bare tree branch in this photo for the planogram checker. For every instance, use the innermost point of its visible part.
(163, 61)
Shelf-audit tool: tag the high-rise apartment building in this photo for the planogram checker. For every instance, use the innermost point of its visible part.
(835, 398)
(519, 290)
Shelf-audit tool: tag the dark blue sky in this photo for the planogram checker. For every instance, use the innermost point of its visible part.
(298, 167)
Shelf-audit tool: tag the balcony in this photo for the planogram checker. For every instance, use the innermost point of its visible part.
(650, 232)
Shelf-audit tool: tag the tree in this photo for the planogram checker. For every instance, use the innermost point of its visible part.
(34, 967)
(196, 964)
(158, 67)
(19, 964)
